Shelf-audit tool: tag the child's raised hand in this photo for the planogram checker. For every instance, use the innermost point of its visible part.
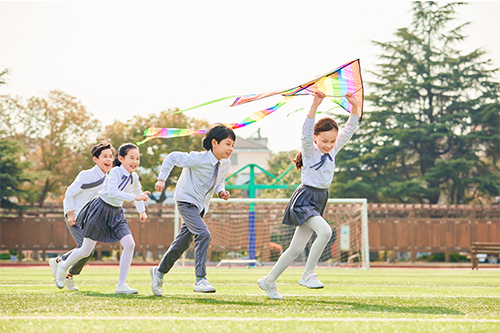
(143, 217)
(143, 196)
(318, 98)
(352, 99)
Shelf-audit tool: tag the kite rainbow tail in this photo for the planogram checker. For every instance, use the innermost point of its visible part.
(152, 133)
(207, 103)
(165, 133)
(259, 114)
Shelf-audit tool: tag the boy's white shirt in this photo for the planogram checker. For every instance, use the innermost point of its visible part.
(76, 197)
(113, 196)
(323, 177)
(196, 176)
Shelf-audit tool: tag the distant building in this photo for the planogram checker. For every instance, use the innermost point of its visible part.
(252, 150)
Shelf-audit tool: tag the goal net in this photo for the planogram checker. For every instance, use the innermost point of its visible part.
(250, 232)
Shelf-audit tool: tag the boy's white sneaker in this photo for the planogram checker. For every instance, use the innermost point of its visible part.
(125, 289)
(270, 289)
(311, 281)
(203, 286)
(156, 282)
(70, 284)
(53, 264)
(60, 277)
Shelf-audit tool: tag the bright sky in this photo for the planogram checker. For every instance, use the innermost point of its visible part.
(122, 59)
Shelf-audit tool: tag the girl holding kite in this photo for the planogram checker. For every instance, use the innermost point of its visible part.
(320, 143)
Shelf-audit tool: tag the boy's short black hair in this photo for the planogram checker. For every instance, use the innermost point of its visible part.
(218, 132)
(98, 148)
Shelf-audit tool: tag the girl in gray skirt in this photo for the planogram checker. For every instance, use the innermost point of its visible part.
(101, 219)
(320, 143)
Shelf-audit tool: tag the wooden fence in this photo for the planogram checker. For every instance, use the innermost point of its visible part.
(431, 228)
(395, 228)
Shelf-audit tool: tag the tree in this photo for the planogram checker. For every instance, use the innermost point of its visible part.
(2, 74)
(59, 132)
(12, 173)
(434, 134)
(153, 152)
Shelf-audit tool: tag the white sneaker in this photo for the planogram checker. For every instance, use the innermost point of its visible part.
(203, 286)
(70, 284)
(60, 277)
(270, 289)
(311, 281)
(125, 289)
(156, 282)
(53, 264)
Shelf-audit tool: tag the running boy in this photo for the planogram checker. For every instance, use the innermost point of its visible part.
(203, 174)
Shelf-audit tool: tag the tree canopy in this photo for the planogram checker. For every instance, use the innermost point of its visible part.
(433, 134)
(57, 131)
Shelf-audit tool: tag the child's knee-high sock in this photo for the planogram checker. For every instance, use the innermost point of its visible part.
(126, 257)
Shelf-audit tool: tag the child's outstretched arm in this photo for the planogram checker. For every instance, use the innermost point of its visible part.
(318, 98)
(176, 158)
(355, 107)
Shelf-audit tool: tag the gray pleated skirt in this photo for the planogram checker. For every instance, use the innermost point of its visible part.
(102, 222)
(305, 202)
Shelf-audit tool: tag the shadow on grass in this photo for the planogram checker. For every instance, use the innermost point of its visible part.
(197, 298)
(113, 295)
(213, 301)
(355, 306)
(339, 306)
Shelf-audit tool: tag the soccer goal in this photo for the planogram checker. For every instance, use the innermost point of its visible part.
(250, 232)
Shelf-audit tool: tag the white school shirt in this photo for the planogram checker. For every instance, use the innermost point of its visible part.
(196, 176)
(322, 178)
(115, 192)
(82, 190)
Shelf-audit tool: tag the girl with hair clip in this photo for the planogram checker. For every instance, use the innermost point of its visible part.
(102, 220)
(320, 143)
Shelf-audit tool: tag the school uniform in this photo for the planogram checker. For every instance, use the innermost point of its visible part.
(310, 198)
(201, 176)
(87, 185)
(102, 219)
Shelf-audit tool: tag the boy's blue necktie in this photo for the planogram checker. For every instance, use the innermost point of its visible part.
(214, 177)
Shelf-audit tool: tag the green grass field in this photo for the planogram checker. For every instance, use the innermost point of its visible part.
(377, 300)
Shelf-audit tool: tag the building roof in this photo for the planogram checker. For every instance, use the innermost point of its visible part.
(248, 144)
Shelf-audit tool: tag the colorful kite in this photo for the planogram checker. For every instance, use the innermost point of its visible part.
(335, 84)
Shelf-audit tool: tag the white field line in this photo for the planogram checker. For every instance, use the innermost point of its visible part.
(281, 285)
(253, 319)
(90, 292)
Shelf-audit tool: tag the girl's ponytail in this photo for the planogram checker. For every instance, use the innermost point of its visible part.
(116, 161)
(298, 161)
